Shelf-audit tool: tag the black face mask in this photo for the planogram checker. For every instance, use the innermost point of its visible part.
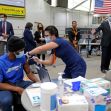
(30, 28)
(40, 28)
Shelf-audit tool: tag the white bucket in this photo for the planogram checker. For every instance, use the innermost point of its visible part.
(48, 96)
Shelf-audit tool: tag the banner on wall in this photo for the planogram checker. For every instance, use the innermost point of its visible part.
(12, 10)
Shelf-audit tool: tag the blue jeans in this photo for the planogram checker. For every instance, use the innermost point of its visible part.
(6, 99)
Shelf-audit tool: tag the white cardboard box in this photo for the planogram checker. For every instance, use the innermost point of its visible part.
(95, 96)
(76, 103)
(105, 84)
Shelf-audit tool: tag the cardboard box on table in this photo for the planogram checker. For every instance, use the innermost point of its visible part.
(96, 98)
(76, 103)
(87, 84)
(105, 84)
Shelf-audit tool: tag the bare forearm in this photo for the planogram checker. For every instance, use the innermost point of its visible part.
(6, 86)
(35, 51)
(32, 77)
(45, 62)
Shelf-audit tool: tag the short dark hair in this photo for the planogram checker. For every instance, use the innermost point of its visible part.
(15, 43)
(74, 21)
(52, 30)
(4, 15)
(28, 25)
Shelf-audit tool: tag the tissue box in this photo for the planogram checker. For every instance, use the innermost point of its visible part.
(102, 83)
(96, 98)
(75, 103)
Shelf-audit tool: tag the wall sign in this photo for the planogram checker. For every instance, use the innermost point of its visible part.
(15, 8)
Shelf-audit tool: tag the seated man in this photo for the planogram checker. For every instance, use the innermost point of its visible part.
(96, 47)
(12, 84)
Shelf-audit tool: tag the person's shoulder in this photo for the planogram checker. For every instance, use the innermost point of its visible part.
(104, 22)
(9, 22)
(27, 30)
(37, 32)
(59, 39)
(22, 59)
(3, 59)
(3, 56)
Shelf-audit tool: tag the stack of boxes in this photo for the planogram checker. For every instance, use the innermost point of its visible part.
(96, 98)
(102, 83)
(95, 91)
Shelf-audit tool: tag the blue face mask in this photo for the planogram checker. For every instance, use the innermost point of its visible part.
(20, 54)
(47, 39)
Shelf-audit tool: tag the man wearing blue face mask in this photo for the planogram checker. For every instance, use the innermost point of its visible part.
(12, 84)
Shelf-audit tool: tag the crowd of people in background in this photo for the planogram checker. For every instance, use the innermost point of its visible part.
(20, 50)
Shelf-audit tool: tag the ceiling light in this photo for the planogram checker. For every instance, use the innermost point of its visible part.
(54, 3)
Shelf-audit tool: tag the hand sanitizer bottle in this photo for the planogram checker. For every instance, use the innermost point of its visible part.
(60, 85)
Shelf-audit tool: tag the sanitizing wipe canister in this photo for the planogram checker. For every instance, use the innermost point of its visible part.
(48, 96)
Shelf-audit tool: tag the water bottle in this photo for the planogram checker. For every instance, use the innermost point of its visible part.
(60, 85)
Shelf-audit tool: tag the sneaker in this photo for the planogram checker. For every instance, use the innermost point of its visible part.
(104, 71)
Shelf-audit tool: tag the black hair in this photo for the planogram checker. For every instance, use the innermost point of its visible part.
(29, 25)
(15, 43)
(52, 30)
(4, 15)
(74, 21)
(40, 28)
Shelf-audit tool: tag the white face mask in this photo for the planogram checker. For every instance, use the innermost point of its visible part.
(47, 39)
(32, 32)
(2, 19)
(20, 54)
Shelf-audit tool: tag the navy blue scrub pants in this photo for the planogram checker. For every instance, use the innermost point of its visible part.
(78, 69)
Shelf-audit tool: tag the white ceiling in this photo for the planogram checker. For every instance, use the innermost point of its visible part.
(13, 2)
(86, 6)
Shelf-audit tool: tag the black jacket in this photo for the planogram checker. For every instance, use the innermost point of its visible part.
(106, 37)
(72, 35)
(38, 36)
(29, 41)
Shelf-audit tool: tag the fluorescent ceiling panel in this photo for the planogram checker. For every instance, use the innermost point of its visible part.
(86, 6)
(74, 3)
(13, 2)
(54, 3)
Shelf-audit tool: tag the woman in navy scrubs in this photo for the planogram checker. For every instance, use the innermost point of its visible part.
(75, 65)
